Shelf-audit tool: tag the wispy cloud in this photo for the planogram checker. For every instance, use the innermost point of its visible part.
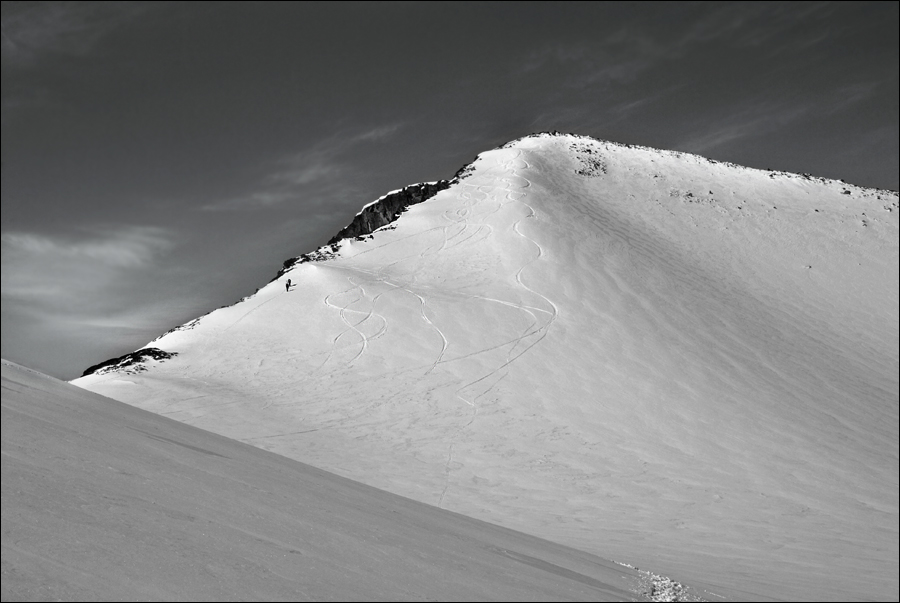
(846, 97)
(69, 300)
(32, 29)
(788, 30)
(39, 268)
(620, 57)
(777, 28)
(761, 116)
(129, 247)
(554, 54)
(752, 121)
(798, 33)
(320, 169)
(377, 133)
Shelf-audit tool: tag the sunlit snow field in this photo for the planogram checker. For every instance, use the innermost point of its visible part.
(649, 356)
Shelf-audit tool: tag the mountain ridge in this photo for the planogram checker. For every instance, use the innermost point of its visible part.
(388, 208)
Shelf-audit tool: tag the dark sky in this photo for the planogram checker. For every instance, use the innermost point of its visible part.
(162, 159)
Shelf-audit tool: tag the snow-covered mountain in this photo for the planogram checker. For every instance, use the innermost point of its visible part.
(647, 355)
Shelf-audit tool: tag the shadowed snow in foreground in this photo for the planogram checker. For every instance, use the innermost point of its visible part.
(101, 500)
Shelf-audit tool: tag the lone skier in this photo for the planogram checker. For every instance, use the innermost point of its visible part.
(287, 285)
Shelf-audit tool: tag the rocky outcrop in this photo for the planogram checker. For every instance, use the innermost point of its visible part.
(388, 208)
(133, 361)
(376, 215)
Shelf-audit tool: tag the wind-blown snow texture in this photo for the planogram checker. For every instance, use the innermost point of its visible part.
(682, 364)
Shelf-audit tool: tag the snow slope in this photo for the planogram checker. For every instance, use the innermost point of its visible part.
(103, 501)
(681, 364)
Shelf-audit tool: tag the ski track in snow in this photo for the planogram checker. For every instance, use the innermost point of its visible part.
(357, 306)
(354, 327)
(511, 196)
(468, 225)
(444, 342)
(518, 277)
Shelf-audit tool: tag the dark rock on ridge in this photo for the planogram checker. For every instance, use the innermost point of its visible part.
(134, 359)
(388, 208)
(374, 216)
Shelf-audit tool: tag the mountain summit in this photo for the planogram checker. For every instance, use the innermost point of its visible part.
(647, 355)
